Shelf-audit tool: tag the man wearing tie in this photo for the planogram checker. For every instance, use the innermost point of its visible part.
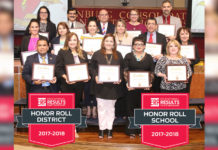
(152, 36)
(72, 14)
(166, 18)
(104, 25)
(39, 86)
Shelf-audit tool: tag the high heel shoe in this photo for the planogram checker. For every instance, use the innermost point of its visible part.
(109, 134)
(101, 134)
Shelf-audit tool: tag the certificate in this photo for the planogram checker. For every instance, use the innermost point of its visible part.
(77, 72)
(188, 51)
(57, 47)
(25, 54)
(134, 33)
(153, 49)
(44, 72)
(124, 49)
(176, 73)
(139, 79)
(109, 73)
(167, 29)
(45, 34)
(78, 31)
(91, 45)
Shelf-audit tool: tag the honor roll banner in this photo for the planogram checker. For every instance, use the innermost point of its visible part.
(165, 120)
(51, 119)
(124, 13)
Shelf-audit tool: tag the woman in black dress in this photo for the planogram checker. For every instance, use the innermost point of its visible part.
(106, 93)
(137, 60)
(70, 54)
(184, 38)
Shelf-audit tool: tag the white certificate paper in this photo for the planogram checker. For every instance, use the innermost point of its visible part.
(44, 72)
(167, 29)
(45, 34)
(25, 54)
(109, 73)
(176, 73)
(188, 51)
(77, 72)
(134, 33)
(153, 49)
(57, 47)
(91, 45)
(78, 31)
(124, 49)
(139, 80)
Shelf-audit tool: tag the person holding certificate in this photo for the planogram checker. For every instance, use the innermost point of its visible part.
(107, 68)
(121, 36)
(152, 37)
(42, 57)
(139, 61)
(29, 42)
(184, 38)
(173, 57)
(69, 55)
(45, 24)
(166, 18)
(62, 31)
(134, 23)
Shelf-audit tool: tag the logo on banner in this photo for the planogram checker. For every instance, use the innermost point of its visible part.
(51, 119)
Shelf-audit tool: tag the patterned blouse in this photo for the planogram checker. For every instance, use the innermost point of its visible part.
(161, 68)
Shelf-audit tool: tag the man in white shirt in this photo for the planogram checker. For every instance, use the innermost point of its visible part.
(72, 14)
(166, 18)
(104, 25)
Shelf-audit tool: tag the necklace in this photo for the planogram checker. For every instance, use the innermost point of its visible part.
(139, 58)
(109, 60)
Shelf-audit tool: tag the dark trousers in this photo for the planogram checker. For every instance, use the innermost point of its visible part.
(156, 84)
(76, 88)
(133, 101)
(120, 107)
(188, 85)
(90, 100)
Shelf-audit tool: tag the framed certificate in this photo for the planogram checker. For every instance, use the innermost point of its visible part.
(25, 54)
(124, 49)
(91, 45)
(57, 47)
(167, 29)
(176, 73)
(78, 31)
(109, 73)
(44, 72)
(188, 51)
(134, 33)
(77, 72)
(153, 49)
(45, 34)
(138, 79)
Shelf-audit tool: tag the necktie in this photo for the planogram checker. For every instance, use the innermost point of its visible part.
(72, 26)
(43, 60)
(103, 29)
(150, 38)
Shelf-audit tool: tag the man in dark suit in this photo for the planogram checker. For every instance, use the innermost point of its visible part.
(152, 36)
(42, 56)
(104, 25)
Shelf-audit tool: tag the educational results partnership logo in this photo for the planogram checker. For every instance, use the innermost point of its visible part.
(164, 119)
(51, 118)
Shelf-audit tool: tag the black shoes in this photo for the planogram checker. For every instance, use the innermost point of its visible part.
(109, 134)
(101, 134)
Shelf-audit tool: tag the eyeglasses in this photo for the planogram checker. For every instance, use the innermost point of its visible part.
(103, 14)
(138, 44)
(43, 12)
(72, 13)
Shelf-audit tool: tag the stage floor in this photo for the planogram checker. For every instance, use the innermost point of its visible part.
(88, 139)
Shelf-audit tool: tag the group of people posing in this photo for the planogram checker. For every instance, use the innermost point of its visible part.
(107, 100)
